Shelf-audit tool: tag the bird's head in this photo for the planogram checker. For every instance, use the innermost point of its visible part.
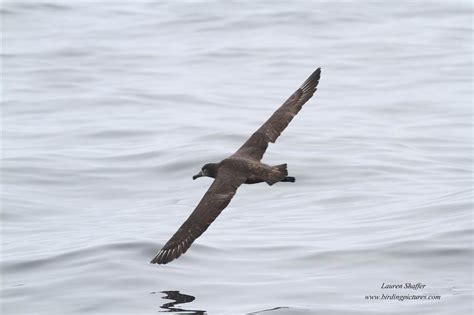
(209, 170)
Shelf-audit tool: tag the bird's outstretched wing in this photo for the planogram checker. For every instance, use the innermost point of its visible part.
(256, 145)
(211, 205)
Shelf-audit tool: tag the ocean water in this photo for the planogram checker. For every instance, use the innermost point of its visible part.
(109, 108)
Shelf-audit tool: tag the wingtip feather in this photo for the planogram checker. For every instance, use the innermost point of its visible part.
(165, 256)
(161, 258)
(312, 82)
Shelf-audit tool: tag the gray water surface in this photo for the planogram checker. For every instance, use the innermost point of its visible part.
(109, 108)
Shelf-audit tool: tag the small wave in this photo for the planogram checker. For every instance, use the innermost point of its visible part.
(285, 310)
(270, 310)
(19, 7)
(135, 156)
(134, 250)
(399, 251)
(79, 256)
(6, 12)
(118, 133)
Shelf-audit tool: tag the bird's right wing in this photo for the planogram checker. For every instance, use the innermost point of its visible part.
(211, 205)
(257, 144)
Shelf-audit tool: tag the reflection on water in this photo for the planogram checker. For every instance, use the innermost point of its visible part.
(178, 298)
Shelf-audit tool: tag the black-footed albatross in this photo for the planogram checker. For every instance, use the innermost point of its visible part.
(242, 167)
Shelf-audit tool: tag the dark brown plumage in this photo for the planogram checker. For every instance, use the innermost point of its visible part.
(243, 166)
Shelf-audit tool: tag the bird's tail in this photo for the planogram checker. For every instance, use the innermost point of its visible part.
(277, 174)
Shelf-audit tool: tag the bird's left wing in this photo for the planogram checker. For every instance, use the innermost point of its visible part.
(256, 145)
(211, 205)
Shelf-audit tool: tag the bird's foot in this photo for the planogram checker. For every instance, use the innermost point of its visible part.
(290, 179)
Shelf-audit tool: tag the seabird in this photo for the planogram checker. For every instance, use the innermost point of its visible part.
(242, 167)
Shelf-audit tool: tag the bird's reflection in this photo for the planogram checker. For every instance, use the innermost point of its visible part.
(178, 298)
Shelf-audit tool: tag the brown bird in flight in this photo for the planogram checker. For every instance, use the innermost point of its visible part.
(242, 167)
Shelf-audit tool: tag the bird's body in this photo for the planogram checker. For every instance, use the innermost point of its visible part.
(242, 167)
(255, 171)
